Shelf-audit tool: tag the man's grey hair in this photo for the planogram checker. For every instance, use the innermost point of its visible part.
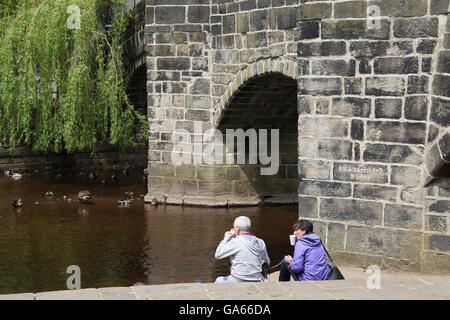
(243, 222)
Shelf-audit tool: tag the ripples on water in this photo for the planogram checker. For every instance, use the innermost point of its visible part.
(115, 245)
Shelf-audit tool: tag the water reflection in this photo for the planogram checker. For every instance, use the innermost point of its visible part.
(116, 245)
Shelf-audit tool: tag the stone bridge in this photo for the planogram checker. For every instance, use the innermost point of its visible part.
(359, 91)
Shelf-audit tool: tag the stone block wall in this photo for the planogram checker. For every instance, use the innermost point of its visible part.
(372, 107)
(375, 96)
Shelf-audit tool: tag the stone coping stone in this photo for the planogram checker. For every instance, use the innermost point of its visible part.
(82, 294)
(118, 293)
(17, 296)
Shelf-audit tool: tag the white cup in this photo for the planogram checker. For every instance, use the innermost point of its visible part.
(292, 238)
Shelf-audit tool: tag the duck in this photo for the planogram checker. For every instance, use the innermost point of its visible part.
(17, 176)
(124, 202)
(84, 195)
(17, 203)
(49, 194)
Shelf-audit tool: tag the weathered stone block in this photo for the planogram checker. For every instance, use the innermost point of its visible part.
(304, 104)
(229, 24)
(444, 62)
(322, 106)
(198, 14)
(303, 67)
(441, 85)
(396, 65)
(173, 63)
(417, 84)
(314, 169)
(385, 86)
(196, 102)
(437, 242)
(365, 66)
(361, 49)
(335, 149)
(402, 8)
(286, 18)
(350, 9)
(444, 146)
(313, 11)
(370, 173)
(416, 28)
(366, 212)
(351, 107)
(320, 86)
(391, 154)
(257, 39)
(333, 67)
(439, 6)
(197, 115)
(426, 64)
(354, 29)
(374, 192)
(353, 86)
(323, 48)
(247, 5)
(440, 206)
(200, 86)
(322, 127)
(388, 108)
(357, 130)
(426, 46)
(436, 223)
(170, 15)
(242, 22)
(416, 107)
(325, 188)
(401, 216)
(389, 131)
(336, 236)
(405, 175)
(308, 207)
(259, 20)
(440, 111)
(307, 30)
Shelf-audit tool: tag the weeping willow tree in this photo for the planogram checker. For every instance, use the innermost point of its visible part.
(62, 87)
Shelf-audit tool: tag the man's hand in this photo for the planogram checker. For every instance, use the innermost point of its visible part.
(288, 259)
(228, 234)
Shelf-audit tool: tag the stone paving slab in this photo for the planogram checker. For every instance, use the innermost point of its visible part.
(120, 293)
(394, 286)
(17, 296)
(82, 294)
(181, 291)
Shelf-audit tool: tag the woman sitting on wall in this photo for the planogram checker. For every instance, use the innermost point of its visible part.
(309, 262)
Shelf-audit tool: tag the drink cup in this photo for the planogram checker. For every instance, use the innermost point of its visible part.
(292, 238)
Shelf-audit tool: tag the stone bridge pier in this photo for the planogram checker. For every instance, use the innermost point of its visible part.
(359, 91)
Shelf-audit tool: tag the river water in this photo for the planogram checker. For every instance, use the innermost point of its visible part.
(116, 245)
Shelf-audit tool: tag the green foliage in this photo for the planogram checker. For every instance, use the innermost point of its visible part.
(62, 89)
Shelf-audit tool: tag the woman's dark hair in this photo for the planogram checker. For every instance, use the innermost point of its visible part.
(304, 225)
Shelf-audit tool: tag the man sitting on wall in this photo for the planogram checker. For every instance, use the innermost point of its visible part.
(247, 253)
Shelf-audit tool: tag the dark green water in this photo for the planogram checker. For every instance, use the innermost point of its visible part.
(114, 245)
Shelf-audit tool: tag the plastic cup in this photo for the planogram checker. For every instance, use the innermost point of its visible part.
(292, 238)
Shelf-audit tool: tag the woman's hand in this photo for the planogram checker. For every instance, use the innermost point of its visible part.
(288, 259)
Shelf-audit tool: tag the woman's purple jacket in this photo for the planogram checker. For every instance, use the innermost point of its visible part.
(310, 259)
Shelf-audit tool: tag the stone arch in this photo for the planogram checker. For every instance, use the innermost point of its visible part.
(265, 97)
(282, 66)
(136, 89)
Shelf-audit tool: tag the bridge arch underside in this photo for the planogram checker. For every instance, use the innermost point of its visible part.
(266, 103)
(229, 178)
